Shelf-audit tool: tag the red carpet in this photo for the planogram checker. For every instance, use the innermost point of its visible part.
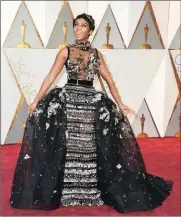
(162, 158)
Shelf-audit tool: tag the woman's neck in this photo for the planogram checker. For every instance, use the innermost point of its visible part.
(83, 40)
(82, 44)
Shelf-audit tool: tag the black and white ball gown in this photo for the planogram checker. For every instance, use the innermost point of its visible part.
(79, 149)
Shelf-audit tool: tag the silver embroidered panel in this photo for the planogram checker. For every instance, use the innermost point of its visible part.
(80, 175)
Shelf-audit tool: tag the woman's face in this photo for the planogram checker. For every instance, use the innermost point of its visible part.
(81, 29)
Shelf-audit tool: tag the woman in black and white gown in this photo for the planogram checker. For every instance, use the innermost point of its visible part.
(78, 147)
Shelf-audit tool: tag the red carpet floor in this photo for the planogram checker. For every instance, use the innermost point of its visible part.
(162, 157)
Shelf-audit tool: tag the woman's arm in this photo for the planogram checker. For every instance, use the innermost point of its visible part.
(50, 78)
(106, 75)
(55, 70)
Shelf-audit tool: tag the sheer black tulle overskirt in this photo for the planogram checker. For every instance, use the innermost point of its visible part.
(122, 177)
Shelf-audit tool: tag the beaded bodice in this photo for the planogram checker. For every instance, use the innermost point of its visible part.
(82, 62)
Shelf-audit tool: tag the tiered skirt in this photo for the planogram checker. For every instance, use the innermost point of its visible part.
(80, 175)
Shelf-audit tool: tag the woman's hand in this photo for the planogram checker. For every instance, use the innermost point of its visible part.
(32, 107)
(126, 109)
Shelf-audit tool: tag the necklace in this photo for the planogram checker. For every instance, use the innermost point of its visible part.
(82, 45)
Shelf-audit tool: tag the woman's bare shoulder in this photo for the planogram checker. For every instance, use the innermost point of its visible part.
(99, 54)
(63, 53)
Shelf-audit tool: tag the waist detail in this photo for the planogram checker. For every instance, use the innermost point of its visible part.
(79, 81)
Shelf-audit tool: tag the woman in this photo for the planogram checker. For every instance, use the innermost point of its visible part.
(78, 149)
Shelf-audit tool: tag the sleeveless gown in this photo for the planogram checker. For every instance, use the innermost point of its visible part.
(78, 149)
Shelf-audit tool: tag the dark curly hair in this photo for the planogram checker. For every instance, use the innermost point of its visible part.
(88, 18)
